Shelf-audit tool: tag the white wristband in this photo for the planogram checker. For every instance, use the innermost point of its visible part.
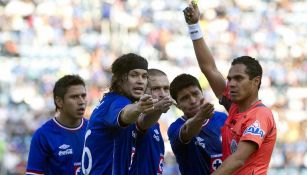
(195, 31)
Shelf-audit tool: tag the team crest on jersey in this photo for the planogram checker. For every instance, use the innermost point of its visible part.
(254, 129)
(77, 168)
(65, 150)
(215, 163)
(233, 146)
(161, 164)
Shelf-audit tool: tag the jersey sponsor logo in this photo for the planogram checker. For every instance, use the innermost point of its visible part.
(254, 129)
(200, 142)
(161, 164)
(65, 150)
(64, 146)
(233, 146)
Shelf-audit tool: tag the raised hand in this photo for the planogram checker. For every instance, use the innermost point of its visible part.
(205, 111)
(191, 13)
(146, 104)
(164, 104)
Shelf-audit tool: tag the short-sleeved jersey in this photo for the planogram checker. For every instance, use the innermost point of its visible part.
(108, 147)
(56, 149)
(255, 124)
(202, 155)
(149, 154)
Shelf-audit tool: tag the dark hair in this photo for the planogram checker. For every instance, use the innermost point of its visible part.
(253, 67)
(182, 81)
(122, 65)
(62, 85)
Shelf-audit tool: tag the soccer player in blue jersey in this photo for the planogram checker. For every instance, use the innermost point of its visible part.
(150, 145)
(56, 147)
(195, 137)
(110, 140)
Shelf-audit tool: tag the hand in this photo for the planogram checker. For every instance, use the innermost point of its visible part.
(205, 111)
(146, 104)
(191, 13)
(164, 104)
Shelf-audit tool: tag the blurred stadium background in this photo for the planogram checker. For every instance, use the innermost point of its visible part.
(42, 40)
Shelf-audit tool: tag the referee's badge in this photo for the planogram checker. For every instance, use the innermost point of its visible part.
(233, 146)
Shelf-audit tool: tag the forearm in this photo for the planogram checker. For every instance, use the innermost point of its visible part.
(146, 121)
(190, 129)
(230, 165)
(129, 114)
(203, 55)
(208, 67)
(236, 160)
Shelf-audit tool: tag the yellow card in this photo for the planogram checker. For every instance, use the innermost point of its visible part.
(195, 1)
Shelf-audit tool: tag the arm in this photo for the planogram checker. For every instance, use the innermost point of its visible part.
(193, 125)
(146, 121)
(237, 159)
(205, 59)
(131, 112)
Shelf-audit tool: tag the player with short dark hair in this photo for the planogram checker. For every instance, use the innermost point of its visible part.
(249, 134)
(149, 153)
(56, 147)
(195, 137)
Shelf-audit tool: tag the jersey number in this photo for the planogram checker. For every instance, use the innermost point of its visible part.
(87, 152)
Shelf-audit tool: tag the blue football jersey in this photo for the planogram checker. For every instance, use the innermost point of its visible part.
(108, 148)
(149, 156)
(202, 155)
(56, 149)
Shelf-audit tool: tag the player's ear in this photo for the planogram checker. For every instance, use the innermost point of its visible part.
(59, 102)
(257, 81)
(178, 106)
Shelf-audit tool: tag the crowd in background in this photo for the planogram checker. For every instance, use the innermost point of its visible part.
(41, 40)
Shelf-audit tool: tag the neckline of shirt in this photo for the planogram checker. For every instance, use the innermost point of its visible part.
(67, 128)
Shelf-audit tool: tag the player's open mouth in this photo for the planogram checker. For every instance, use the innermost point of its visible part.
(233, 93)
(138, 90)
(81, 110)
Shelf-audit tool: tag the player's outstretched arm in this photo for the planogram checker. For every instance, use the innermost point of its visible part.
(162, 106)
(193, 125)
(205, 59)
(237, 159)
(131, 112)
